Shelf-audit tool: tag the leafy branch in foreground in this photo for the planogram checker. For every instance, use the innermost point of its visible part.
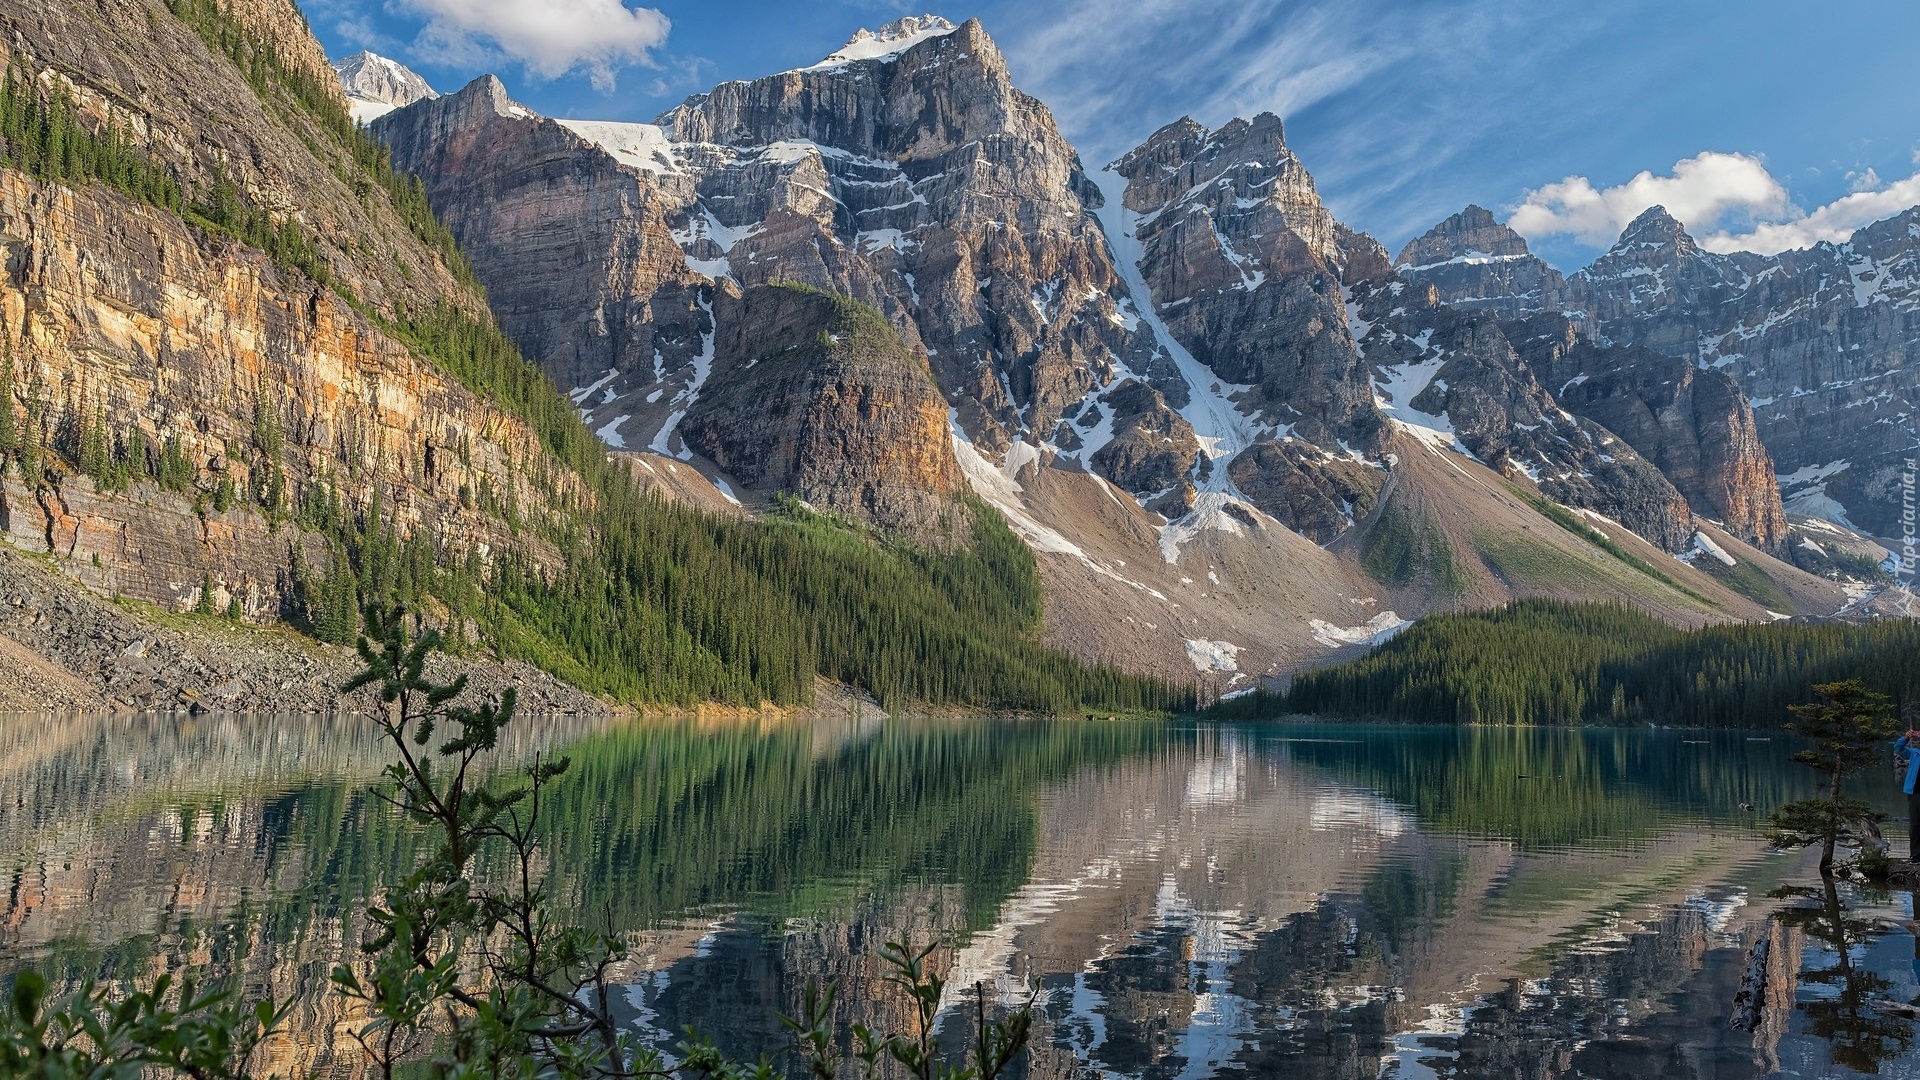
(204, 1034)
(541, 1004)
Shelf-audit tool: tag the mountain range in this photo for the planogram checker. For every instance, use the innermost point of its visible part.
(1183, 347)
(1239, 437)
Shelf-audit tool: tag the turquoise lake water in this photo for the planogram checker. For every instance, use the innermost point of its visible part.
(1180, 901)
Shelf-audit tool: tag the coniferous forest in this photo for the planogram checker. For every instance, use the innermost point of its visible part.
(1552, 662)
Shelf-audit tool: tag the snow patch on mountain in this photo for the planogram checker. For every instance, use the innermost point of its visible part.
(1703, 545)
(890, 40)
(366, 112)
(1222, 430)
(1210, 511)
(702, 367)
(1394, 391)
(1213, 655)
(1375, 631)
(642, 146)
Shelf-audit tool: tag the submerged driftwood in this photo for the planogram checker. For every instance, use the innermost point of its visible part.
(1749, 1002)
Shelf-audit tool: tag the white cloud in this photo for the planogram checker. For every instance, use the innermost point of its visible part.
(549, 39)
(1702, 190)
(1863, 181)
(1833, 222)
(1730, 201)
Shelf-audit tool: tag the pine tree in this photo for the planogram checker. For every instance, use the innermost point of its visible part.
(9, 429)
(1850, 727)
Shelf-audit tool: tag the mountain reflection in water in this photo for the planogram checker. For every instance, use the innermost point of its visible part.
(1299, 900)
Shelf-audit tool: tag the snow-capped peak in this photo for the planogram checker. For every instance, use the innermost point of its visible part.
(890, 40)
(376, 85)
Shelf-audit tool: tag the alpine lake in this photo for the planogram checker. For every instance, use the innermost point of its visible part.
(1178, 900)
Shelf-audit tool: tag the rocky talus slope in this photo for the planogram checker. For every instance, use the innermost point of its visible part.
(65, 649)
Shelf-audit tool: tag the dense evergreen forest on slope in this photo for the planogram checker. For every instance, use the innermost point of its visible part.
(657, 603)
(1553, 662)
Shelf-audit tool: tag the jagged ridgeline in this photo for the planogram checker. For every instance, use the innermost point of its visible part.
(1552, 662)
(556, 555)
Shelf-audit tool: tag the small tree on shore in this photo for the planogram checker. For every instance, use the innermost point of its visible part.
(1849, 728)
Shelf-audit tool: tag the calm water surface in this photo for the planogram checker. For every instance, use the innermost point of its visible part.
(1290, 900)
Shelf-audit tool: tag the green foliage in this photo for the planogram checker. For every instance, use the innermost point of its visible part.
(204, 606)
(177, 472)
(10, 436)
(1848, 727)
(1749, 581)
(100, 1035)
(1399, 551)
(45, 139)
(293, 92)
(1567, 520)
(1552, 662)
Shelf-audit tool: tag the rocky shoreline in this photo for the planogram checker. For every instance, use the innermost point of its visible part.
(64, 649)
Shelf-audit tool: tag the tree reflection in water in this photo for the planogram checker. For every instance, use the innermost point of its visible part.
(1849, 1010)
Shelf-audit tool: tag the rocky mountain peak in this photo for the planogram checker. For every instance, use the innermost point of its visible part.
(376, 85)
(890, 40)
(1472, 261)
(1655, 227)
(372, 77)
(1471, 233)
(1244, 167)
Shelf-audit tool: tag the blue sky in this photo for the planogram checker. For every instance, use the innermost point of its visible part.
(1763, 124)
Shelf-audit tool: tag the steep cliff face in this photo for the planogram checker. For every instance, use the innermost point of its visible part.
(1453, 379)
(1241, 266)
(817, 395)
(1693, 423)
(120, 319)
(1822, 340)
(182, 401)
(575, 249)
(1244, 266)
(132, 64)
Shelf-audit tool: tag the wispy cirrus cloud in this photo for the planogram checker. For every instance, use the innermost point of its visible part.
(1731, 201)
(1378, 95)
(548, 39)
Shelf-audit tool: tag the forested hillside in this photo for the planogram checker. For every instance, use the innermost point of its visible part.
(614, 590)
(1550, 662)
